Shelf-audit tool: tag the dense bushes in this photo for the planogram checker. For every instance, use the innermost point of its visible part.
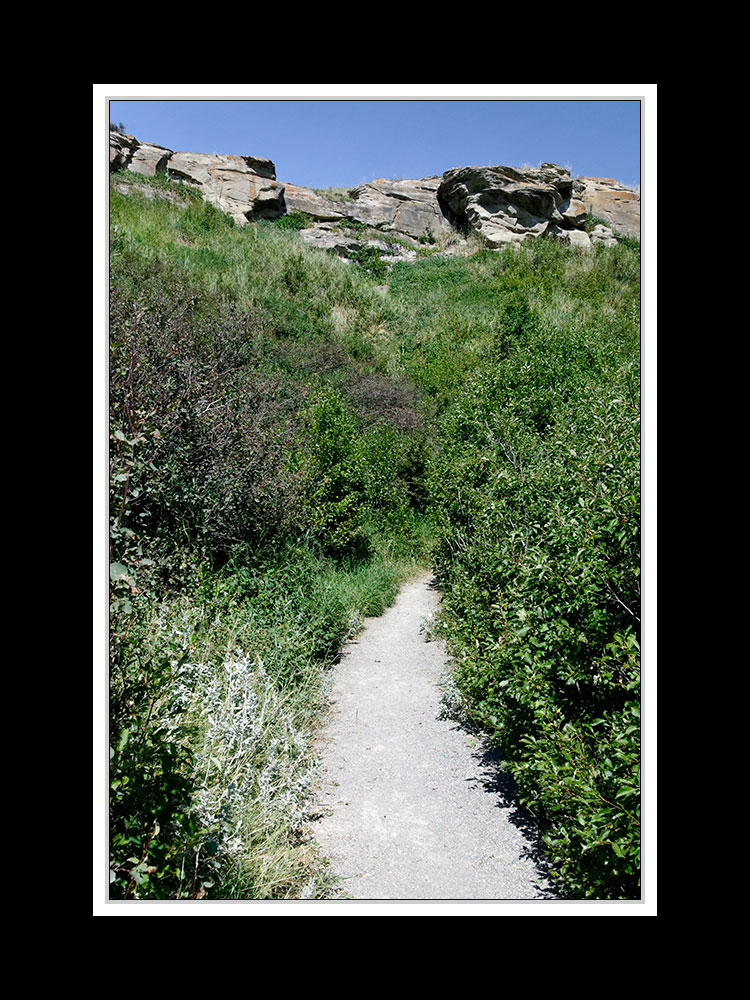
(252, 481)
(199, 429)
(535, 489)
(353, 478)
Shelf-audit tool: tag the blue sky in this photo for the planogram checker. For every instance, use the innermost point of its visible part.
(341, 143)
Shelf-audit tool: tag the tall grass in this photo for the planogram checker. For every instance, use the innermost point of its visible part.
(217, 692)
(262, 269)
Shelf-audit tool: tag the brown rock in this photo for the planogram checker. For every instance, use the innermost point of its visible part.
(616, 204)
(302, 199)
(231, 183)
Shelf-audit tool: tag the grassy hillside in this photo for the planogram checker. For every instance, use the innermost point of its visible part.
(291, 439)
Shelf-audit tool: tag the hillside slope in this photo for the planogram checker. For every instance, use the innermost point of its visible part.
(293, 434)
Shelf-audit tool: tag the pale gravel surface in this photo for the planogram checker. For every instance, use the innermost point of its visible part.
(411, 806)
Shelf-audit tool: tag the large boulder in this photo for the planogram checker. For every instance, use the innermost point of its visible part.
(616, 204)
(401, 206)
(127, 153)
(120, 150)
(309, 202)
(385, 218)
(242, 186)
(510, 204)
(323, 238)
(603, 235)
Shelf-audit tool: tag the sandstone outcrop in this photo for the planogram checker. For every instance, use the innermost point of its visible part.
(508, 205)
(244, 187)
(308, 202)
(126, 153)
(616, 204)
(366, 216)
(409, 207)
(501, 205)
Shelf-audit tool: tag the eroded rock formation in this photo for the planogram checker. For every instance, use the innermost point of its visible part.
(500, 204)
(244, 187)
(508, 205)
(614, 203)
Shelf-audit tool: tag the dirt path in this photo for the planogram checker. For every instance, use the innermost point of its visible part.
(412, 808)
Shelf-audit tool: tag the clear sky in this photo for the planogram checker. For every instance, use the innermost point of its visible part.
(345, 142)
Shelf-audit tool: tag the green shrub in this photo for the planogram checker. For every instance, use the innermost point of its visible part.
(199, 431)
(536, 495)
(370, 259)
(293, 221)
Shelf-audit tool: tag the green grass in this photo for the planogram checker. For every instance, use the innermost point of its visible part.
(262, 269)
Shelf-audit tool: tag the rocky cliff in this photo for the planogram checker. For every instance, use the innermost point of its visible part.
(499, 204)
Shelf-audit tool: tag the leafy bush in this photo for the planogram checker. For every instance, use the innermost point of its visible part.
(351, 477)
(331, 476)
(152, 832)
(535, 490)
(370, 259)
(224, 606)
(294, 221)
(198, 429)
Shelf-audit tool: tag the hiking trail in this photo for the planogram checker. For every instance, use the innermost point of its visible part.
(410, 804)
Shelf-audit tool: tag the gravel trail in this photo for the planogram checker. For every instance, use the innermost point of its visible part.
(411, 806)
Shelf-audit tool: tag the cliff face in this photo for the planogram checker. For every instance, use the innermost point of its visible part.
(501, 204)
